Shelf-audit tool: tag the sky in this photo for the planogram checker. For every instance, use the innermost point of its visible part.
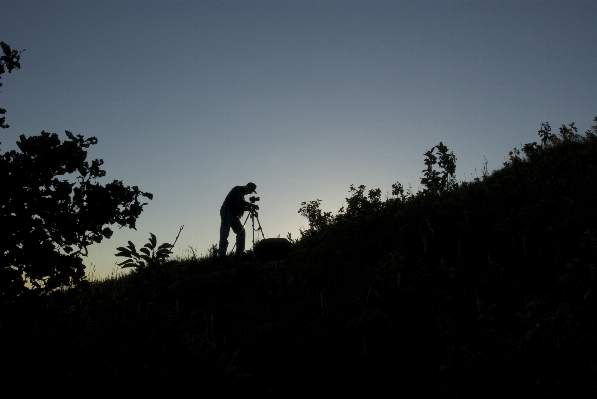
(304, 98)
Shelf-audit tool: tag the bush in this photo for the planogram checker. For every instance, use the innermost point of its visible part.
(52, 209)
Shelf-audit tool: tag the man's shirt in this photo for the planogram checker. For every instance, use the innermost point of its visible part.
(236, 201)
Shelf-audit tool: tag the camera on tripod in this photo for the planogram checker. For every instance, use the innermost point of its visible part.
(254, 199)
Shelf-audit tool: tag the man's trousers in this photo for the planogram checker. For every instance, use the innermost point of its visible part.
(230, 221)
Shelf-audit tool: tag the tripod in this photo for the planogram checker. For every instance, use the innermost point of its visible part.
(253, 215)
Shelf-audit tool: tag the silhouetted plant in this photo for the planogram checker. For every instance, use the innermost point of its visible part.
(398, 191)
(592, 132)
(359, 204)
(289, 238)
(149, 256)
(212, 251)
(316, 217)
(545, 133)
(8, 61)
(436, 181)
(52, 209)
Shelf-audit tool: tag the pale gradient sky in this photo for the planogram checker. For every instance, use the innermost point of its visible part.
(304, 98)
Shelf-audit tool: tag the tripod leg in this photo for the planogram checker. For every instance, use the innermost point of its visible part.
(253, 228)
(259, 229)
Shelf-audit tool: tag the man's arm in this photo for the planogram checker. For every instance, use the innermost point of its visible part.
(239, 200)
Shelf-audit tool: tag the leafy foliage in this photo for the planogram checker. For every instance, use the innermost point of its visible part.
(316, 217)
(359, 204)
(436, 181)
(150, 255)
(52, 209)
(9, 61)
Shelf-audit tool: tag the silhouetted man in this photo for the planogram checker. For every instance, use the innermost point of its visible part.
(232, 209)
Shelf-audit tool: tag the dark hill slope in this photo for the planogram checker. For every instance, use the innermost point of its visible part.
(499, 274)
(489, 286)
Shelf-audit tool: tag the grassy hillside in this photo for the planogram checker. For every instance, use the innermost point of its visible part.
(460, 290)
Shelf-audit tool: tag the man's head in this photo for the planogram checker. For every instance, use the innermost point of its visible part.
(250, 188)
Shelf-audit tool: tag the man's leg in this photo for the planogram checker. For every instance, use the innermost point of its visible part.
(239, 230)
(226, 217)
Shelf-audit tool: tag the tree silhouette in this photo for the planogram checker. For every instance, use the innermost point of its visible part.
(52, 208)
(8, 61)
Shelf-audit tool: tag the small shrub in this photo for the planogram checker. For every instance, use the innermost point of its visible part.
(149, 255)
